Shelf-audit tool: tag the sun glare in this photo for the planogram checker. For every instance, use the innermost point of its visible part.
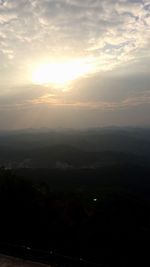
(60, 73)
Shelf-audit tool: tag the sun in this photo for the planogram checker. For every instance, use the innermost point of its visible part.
(60, 73)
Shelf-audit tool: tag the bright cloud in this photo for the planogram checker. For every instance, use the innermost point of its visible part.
(113, 31)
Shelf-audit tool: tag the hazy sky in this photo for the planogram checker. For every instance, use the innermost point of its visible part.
(74, 63)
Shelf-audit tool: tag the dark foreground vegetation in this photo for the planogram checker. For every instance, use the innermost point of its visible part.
(105, 220)
(78, 205)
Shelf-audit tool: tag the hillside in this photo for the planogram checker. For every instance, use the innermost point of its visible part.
(74, 149)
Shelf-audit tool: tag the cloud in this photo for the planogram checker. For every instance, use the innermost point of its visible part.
(133, 101)
(21, 97)
(112, 32)
(98, 92)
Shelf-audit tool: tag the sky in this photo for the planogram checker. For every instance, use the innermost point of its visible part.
(74, 64)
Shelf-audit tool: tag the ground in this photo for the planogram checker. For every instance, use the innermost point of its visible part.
(6, 261)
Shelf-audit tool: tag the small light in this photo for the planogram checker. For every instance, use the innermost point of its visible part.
(95, 199)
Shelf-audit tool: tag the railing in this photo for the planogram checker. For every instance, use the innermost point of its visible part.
(51, 258)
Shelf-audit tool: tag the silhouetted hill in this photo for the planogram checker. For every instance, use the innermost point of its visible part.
(93, 147)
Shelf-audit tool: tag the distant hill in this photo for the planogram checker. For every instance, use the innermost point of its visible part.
(68, 148)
